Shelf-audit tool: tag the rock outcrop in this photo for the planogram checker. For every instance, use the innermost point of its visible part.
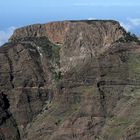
(70, 80)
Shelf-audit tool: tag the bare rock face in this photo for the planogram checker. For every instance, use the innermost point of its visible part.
(70, 80)
(101, 32)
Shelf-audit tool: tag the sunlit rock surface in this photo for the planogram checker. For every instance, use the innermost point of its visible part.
(70, 80)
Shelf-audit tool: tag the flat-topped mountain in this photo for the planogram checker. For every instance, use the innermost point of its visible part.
(56, 32)
(70, 80)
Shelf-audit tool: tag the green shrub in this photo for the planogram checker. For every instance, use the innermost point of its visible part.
(129, 37)
(57, 76)
(55, 54)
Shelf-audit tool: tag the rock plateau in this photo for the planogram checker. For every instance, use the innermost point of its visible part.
(70, 80)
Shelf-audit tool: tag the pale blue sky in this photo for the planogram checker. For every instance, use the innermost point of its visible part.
(17, 13)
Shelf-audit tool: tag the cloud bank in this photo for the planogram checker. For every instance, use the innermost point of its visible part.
(5, 34)
(91, 18)
(131, 24)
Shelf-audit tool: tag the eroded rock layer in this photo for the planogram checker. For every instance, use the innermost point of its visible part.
(70, 80)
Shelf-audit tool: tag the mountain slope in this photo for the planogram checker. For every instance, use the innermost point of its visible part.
(70, 80)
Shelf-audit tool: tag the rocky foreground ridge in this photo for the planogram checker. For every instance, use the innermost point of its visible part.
(70, 80)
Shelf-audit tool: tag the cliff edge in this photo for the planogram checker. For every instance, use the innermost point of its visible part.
(70, 80)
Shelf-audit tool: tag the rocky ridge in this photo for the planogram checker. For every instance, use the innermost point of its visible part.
(70, 80)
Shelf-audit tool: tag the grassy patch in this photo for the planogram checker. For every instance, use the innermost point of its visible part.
(117, 127)
(51, 52)
(134, 66)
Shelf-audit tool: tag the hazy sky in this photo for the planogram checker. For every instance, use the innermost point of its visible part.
(17, 13)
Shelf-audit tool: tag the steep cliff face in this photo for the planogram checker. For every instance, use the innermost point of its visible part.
(70, 80)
